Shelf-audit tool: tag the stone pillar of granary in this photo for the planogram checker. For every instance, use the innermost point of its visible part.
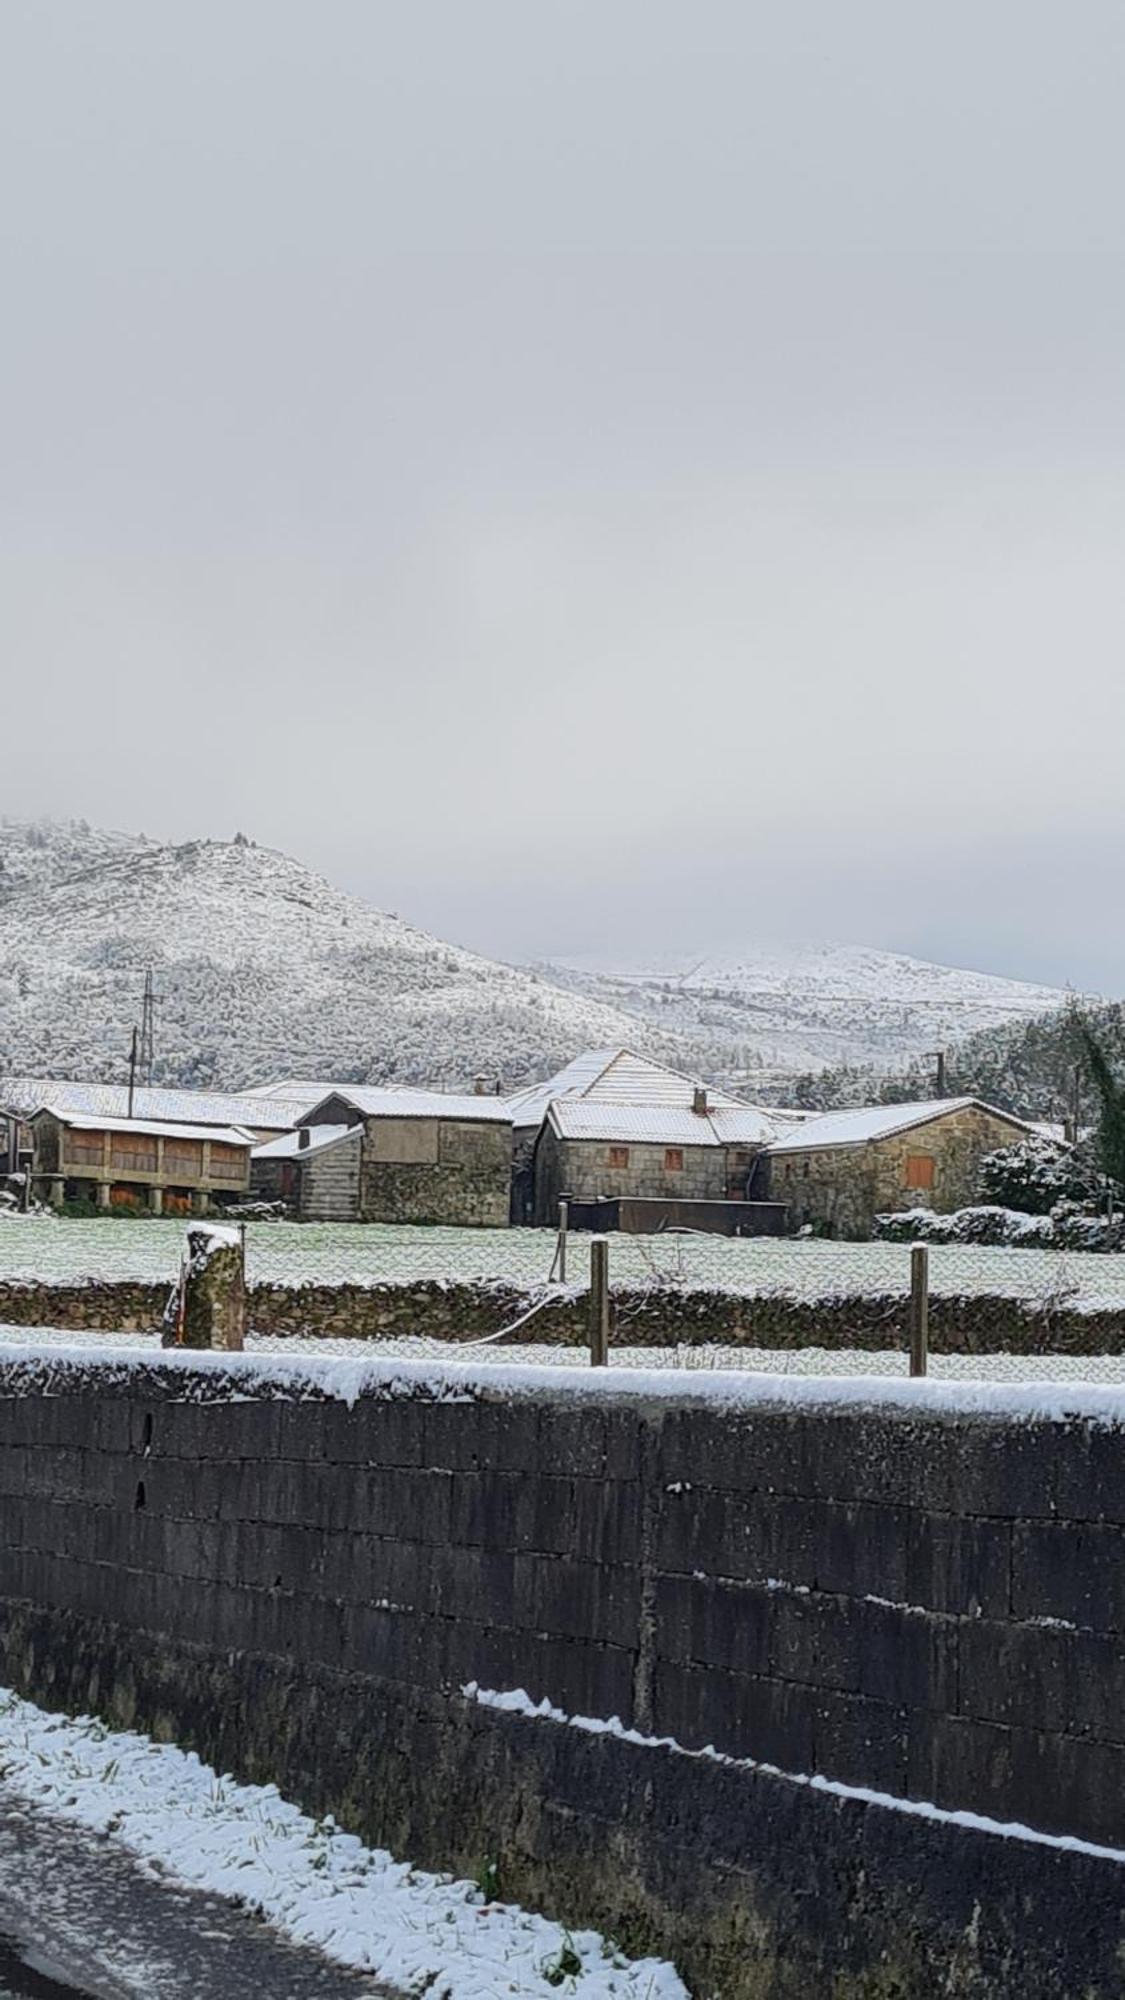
(212, 1300)
(200, 1201)
(156, 1201)
(56, 1191)
(102, 1195)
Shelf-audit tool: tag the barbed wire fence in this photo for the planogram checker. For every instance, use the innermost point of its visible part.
(681, 1298)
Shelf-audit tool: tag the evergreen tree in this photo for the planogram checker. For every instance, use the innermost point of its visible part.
(1110, 1096)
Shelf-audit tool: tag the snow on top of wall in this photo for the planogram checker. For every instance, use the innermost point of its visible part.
(50, 1366)
(516, 1701)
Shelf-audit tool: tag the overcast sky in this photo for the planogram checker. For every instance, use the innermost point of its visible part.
(583, 473)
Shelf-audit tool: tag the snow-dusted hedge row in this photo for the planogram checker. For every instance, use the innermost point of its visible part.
(1067, 1227)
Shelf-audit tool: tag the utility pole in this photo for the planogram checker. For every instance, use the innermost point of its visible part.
(147, 1049)
(938, 1056)
(132, 1071)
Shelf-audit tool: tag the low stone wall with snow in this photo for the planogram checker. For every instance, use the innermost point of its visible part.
(395, 1590)
(977, 1323)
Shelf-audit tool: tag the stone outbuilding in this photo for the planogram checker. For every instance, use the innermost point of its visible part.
(841, 1170)
(314, 1170)
(634, 1128)
(423, 1156)
(137, 1163)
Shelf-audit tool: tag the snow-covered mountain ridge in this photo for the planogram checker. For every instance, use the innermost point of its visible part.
(261, 968)
(768, 1012)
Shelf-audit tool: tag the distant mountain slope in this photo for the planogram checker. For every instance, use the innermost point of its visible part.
(262, 969)
(770, 1012)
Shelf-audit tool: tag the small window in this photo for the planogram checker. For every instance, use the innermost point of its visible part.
(619, 1156)
(919, 1170)
(673, 1159)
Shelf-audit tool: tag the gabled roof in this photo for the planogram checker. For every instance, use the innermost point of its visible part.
(287, 1146)
(149, 1128)
(619, 1078)
(384, 1101)
(21, 1095)
(880, 1121)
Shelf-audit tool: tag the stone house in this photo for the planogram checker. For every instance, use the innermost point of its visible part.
(701, 1149)
(841, 1170)
(424, 1156)
(314, 1170)
(134, 1163)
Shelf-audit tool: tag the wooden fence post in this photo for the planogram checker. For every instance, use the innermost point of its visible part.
(919, 1309)
(599, 1301)
(564, 1224)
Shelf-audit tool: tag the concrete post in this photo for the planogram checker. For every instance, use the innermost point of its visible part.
(213, 1284)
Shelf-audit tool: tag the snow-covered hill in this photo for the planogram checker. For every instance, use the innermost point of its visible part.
(262, 969)
(768, 1012)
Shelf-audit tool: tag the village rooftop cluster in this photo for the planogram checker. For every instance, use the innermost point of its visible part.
(626, 1142)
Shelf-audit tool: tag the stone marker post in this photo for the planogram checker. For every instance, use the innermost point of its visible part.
(211, 1302)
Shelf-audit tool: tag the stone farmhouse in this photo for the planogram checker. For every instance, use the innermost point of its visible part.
(388, 1155)
(841, 1170)
(616, 1125)
(137, 1163)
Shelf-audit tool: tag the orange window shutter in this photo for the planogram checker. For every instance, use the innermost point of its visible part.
(919, 1170)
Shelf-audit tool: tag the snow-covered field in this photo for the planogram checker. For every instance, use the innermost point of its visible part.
(46, 1249)
(419, 1932)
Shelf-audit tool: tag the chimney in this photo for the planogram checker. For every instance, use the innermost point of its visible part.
(699, 1101)
(480, 1086)
(304, 1138)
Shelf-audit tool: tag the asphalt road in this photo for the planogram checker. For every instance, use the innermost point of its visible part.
(79, 1921)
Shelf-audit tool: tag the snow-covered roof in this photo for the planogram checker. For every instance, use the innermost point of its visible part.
(288, 1146)
(307, 1091)
(151, 1128)
(385, 1101)
(618, 1078)
(22, 1095)
(879, 1121)
(530, 1105)
(658, 1124)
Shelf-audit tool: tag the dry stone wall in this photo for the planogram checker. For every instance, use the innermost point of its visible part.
(975, 1324)
(913, 1600)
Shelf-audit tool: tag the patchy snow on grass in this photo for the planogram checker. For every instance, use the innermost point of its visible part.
(417, 1932)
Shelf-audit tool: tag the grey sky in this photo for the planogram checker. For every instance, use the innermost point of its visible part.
(581, 474)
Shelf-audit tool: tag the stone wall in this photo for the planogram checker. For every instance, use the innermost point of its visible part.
(843, 1188)
(974, 1324)
(906, 1597)
(425, 1170)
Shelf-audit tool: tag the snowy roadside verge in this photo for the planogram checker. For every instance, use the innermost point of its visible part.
(415, 1931)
